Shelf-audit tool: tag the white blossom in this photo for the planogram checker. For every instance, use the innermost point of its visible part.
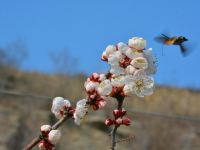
(45, 128)
(137, 43)
(118, 81)
(58, 104)
(90, 85)
(130, 69)
(117, 70)
(143, 85)
(81, 110)
(54, 136)
(110, 49)
(105, 88)
(122, 47)
(151, 59)
(128, 89)
(102, 77)
(114, 58)
(140, 63)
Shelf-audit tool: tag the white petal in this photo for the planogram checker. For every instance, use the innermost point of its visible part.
(58, 104)
(152, 66)
(117, 70)
(140, 63)
(130, 69)
(110, 49)
(118, 81)
(45, 128)
(128, 89)
(122, 47)
(137, 43)
(54, 136)
(105, 88)
(90, 85)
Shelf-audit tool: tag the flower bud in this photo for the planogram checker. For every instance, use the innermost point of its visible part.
(101, 103)
(137, 43)
(118, 121)
(41, 145)
(58, 106)
(45, 129)
(119, 113)
(109, 122)
(54, 136)
(126, 121)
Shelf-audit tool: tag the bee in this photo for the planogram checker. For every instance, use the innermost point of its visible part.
(175, 40)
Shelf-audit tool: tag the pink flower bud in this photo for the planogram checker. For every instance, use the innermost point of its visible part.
(95, 76)
(119, 121)
(126, 121)
(41, 145)
(102, 103)
(109, 122)
(92, 96)
(119, 113)
(45, 145)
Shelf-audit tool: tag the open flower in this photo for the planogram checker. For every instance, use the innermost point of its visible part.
(105, 88)
(151, 59)
(140, 63)
(59, 105)
(81, 111)
(116, 69)
(143, 85)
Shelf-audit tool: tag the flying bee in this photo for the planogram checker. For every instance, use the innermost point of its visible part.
(175, 40)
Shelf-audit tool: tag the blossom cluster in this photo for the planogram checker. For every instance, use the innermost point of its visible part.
(131, 70)
(49, 138)
(131, 66)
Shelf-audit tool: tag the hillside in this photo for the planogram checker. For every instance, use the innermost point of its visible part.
(22, 116)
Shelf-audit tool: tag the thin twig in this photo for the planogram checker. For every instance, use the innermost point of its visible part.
(36, 140)
(114, 131)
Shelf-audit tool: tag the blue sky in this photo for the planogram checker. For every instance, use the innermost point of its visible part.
(86, 27)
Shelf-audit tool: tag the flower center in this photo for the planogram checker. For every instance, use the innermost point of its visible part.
(139, 84)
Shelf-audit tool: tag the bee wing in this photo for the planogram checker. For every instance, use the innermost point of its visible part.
(162, 38)
(187, 48)
(183, 49)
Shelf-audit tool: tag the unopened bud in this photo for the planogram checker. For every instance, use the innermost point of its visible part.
(54, 136)
(45, 129)
(118, 121)
(119, 113)
(126, 121)
(109, 122)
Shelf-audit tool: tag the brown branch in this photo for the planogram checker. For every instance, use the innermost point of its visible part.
(120, 100)
(36, 140)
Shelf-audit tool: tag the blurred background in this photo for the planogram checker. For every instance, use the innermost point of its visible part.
(49, 48)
